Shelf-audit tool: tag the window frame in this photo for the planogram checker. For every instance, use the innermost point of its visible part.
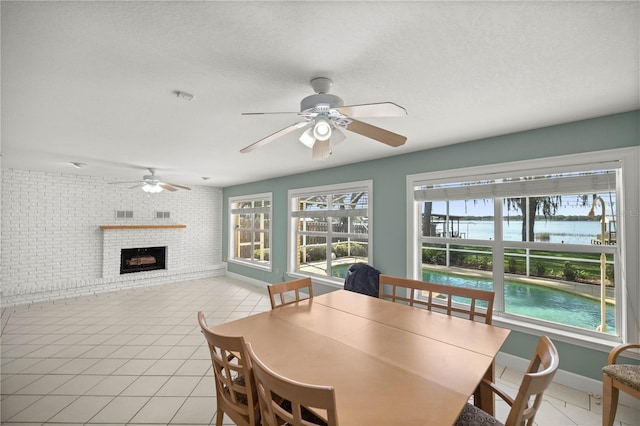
(628, 227)
(366, 185)
(267, 196)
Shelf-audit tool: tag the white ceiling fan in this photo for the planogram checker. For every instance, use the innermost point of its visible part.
(153, 184)
(324, 116)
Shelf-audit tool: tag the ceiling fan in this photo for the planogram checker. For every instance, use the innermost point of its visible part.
(153, 184)
(324, 116)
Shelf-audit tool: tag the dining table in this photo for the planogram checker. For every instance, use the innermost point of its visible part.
(390, 364)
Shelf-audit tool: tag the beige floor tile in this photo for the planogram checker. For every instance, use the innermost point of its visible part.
(43, 409)
(120, 410)
(105, 366)
(134, 367)
(111, 385)
(45, 366)
(45, 385)
(13, 404)
(126, 352)
(194, 367)
(196, 410)
(180, 352)
(178, 386)
(12, 384)
(82, 409)
(145, 386)
(164, 367)
(159, 410)
(78, 385)
(205, 387)
(153, 352)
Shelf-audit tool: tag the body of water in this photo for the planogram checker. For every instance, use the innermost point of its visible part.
(569, 232)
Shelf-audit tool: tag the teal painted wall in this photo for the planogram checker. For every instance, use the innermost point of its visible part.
(389, 203)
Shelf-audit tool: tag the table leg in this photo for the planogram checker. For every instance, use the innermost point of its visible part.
(483, 396)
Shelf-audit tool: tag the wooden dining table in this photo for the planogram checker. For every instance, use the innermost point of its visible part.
(390, 364)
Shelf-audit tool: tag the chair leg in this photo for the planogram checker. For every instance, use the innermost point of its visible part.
(219, 417)
(609, 401)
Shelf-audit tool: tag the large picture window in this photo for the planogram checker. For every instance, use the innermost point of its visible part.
(250, 230)
(546, 240)
(329, 229)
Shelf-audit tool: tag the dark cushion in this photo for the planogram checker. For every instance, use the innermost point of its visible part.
(473, 416)
(627, 374)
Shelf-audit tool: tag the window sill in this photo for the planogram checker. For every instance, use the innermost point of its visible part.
(602, 344)
(259, 266)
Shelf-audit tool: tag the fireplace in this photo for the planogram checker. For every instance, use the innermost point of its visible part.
(142, 259)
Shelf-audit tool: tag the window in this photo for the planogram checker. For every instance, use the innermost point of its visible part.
(329, 229)
(250, 230)
(545, 240)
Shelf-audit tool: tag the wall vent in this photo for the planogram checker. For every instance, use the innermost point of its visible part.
(124, 214)
(163, 215)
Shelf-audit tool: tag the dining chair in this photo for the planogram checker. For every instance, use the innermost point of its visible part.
(542, 368)
(438, 297)
(615, 378)
(289, 292)
(286, 401)
(235, 387)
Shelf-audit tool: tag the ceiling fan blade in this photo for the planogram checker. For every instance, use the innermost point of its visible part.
(382, 109)
(274, 136)
(176, 186)
(321, 150)
(373, 132)
(268, 113)
(139, 185)
(168, 187)
(123, 182)
(337, 136)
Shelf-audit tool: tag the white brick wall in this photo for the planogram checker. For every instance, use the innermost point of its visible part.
(52, 246)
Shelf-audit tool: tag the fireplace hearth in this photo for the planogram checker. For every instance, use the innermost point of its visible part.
(142, 259)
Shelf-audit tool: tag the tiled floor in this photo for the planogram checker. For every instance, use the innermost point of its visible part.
(137, 357)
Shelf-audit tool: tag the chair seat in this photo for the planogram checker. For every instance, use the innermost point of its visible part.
(473, 416)
(627, 374)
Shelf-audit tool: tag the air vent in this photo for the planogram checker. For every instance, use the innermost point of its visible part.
(124, 214)
(163, 215)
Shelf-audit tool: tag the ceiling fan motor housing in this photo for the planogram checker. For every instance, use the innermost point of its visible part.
(322, 101)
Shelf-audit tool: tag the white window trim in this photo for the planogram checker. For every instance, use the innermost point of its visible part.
(245, 198)
(291, 229)
(628, 292)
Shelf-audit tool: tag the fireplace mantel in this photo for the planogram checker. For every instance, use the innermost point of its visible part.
(106, 227)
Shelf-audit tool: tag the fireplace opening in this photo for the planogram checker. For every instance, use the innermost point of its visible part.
(142, 259)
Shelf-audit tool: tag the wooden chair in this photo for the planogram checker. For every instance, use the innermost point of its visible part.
(534, 383)
(235, 386)
(616, 378)
(286, 401)
(284, 291)
(438, 297)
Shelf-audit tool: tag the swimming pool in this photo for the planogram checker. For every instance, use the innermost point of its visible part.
(528, 300)
(536, 301)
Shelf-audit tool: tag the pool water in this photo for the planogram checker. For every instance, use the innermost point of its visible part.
(536, 301)
(528, 300)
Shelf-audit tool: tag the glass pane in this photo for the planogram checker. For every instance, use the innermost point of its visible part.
(245, 221)
(561, 287)
(312, 224)
(315, 202)
(560, 219)
(349, 200)
(458, 219)
(312, 254)
(345, 252)
(261, 220)
(261, 246)
(243, 245)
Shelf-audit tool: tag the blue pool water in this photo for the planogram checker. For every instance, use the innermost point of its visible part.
(535, 301)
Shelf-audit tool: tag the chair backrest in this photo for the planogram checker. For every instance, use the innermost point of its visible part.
(319, 402)
(438, 297)
(289, 292)
(542, 368)
(235, 386)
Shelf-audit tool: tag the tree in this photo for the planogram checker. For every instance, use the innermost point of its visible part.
(547, 206)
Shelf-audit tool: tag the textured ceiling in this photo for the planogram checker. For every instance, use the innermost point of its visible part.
(93, 82)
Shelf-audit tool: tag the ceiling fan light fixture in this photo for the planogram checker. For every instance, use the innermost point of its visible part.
(322, 130)
(152, 189)
(307, 138)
